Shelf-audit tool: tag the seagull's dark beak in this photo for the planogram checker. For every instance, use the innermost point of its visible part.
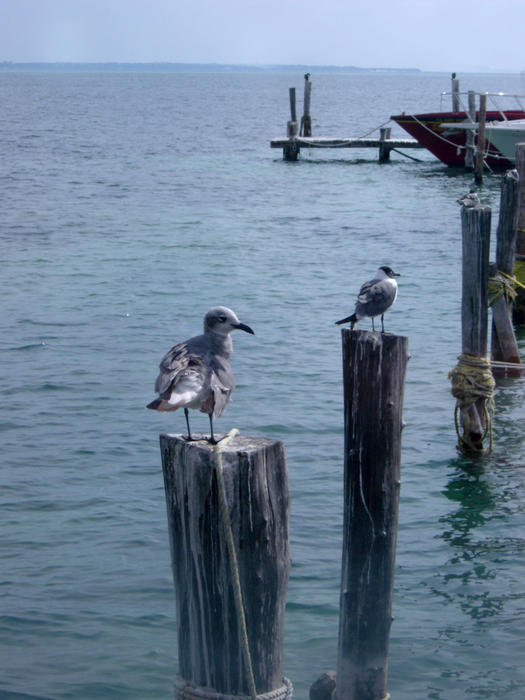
(396, 274)
(244, 327)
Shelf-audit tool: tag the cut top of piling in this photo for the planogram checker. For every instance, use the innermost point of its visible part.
(237, 443)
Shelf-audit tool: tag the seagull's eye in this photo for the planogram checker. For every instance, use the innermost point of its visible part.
(222, 319)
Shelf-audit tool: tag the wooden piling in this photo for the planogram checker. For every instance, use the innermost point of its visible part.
(472, 381)
(456, 107)
(291, 127)
(374, 366)
(250, 480)
(504, 347)
(520, 168)
(470, 137)
(306, 120)
(384, 147)
(480, 151)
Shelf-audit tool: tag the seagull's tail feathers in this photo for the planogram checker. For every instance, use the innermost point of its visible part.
(349, 319)
(162, 405)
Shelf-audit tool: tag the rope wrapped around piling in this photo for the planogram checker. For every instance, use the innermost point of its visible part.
(502, 285)
(186, 691)
(472, 380)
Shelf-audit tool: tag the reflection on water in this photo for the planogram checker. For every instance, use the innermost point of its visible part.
(488, 497)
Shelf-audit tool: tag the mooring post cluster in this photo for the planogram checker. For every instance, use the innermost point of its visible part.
(487, 284)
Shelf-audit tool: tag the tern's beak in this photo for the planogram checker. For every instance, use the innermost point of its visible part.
(244, 327)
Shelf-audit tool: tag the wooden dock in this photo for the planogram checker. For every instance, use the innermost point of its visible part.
(293, 144)
(297, 137)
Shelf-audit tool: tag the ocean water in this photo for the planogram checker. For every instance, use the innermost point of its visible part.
(131, 203)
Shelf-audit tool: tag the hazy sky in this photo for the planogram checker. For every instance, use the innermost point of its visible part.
(439, 35)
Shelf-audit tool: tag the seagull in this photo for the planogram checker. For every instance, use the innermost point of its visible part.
(471, 199)
(197, 373)
(375, 297)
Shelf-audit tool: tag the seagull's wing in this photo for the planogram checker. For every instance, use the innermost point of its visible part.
(380, 296)
(365, 291)
(375, 298)
(180, 370)
(222, 383)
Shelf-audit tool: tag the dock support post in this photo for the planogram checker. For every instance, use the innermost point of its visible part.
(519, 269)
(384, 148)
(472, 381)
(470, 148)
(243, 492)
(520, 167)
(306, 120)
(291, 149)
(504, 347)
(374, 366)
(480, 151)
(291, 127)
(455, 94)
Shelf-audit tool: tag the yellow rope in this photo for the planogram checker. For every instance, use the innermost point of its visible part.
(472, 380)
(512, 279)
(237, 590)
(502, 285)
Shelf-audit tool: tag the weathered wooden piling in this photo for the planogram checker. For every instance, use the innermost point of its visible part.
(504, 347)
(228, 510)
(470, 136)
(480, 150)
(456, 106)
(384, 147)
(292, 127)
(306, 119)
(520, 168)
(374, 366)
(472, 381)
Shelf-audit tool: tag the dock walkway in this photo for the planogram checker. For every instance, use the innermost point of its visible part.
(328, 142)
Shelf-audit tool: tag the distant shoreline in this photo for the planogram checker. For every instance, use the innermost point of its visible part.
(193, 68)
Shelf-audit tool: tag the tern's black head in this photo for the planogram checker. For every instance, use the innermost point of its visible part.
(388, 271)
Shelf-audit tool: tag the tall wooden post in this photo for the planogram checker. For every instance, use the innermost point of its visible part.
(291, 127)
(480, 151)
(470, 148)
(253, 488)
(504, 347)
(306, 120)
(520, 167)
(374, 366)
(384, 148)
(455, 94)
(472, 381)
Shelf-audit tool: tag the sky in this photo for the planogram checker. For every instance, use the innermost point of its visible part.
(432, 35)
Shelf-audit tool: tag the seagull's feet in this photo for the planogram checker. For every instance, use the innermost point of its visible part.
(213, 441)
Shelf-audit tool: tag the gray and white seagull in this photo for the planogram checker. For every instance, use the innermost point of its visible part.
(375, 297)
(196, 373)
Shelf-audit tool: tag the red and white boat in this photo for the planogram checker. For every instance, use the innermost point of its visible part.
(436, 131)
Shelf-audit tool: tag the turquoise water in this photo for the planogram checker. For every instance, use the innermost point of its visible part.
(132, 202)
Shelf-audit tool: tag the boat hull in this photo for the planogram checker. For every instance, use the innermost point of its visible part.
(447, 143)
(505, 136)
